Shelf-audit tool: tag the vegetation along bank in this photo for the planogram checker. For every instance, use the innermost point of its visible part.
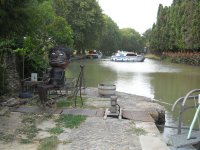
(29, 29)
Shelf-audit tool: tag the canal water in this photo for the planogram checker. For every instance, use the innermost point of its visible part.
(154, 79)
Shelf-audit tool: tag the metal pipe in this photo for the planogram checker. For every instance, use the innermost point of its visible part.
(173, 127)
(188, 94)
(193, 122)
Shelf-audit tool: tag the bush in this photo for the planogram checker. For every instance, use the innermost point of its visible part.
(183, 58)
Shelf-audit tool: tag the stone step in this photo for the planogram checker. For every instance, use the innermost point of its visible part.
(137, 116)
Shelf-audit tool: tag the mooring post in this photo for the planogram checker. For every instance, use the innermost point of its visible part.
(113, 102)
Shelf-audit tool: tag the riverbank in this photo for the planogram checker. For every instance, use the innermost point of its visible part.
(137, 132)
(152, 56)
(192, 59)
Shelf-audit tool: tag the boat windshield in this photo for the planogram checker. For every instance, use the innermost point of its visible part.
(131, 54)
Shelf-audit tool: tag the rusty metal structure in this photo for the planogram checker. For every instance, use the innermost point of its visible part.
(59, 58)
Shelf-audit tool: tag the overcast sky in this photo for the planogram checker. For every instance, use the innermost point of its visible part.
(137, 14)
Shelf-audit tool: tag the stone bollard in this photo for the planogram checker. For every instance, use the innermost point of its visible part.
(113, 108)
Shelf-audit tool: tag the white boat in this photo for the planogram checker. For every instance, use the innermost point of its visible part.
(127, 57)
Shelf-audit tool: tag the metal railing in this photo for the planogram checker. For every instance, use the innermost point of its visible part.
(191, 95)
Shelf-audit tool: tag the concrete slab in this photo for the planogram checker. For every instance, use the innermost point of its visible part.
(100, 113)
(137, 116)
(86, 112)
(152, 140)
(149, 127)
(181, 139)
(27, 109)
(37, 110)
(152, 143)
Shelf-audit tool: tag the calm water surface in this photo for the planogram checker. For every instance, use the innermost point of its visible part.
(154, 79)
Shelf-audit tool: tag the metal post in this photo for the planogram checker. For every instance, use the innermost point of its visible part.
(180, 117)
(79, 84)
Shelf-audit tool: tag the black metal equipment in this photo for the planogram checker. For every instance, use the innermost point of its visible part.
(80, 84)
(59, 60)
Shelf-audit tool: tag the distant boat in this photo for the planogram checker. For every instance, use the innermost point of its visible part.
(127, 57)
(94, 54)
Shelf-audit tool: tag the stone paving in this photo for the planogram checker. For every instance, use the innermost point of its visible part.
(98, 134)
(109, 134)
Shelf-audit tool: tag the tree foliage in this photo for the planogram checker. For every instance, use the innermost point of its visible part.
(131, 40)
(14, 16)
(85, 19)
(60, 32)
(110, 39)
(177, 27)
(29, 28)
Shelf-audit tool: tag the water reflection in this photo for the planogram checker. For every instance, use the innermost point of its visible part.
(149, 66)
(154, 79)
(94, 72)
(136, 78)
(150, 78)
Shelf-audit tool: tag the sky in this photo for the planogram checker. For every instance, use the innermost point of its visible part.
(137, 14)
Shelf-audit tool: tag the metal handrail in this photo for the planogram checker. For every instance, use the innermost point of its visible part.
(188, 94)
(182, 101)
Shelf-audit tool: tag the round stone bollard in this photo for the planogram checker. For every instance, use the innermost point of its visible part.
(106, 90)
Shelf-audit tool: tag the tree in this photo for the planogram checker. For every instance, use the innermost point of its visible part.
(14, 16)
(131, 40)
(60, 32)
(14, 20)
(110, 39)
(85, 19)
(146, 37)
(177, 27)
(48, 30)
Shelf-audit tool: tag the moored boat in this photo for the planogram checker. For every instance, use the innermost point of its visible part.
(127, 57)
(94, 54)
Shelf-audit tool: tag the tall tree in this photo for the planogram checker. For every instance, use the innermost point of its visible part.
(14, 16)
(110, 39)
(177, 27)
(146, 37)
(85, 18)
(131, 40)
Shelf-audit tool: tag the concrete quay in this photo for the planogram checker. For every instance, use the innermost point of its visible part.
(135, 131)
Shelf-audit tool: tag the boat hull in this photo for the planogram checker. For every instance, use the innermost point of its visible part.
(138, 58)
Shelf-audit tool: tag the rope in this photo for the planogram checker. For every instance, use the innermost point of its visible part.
(154, 100)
